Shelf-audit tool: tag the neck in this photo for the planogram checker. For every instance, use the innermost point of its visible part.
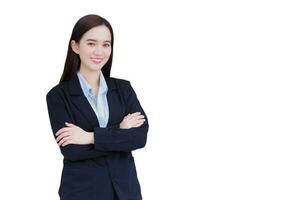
(92, 77)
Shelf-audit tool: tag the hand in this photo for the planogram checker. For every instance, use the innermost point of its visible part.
(132, 120)
(72, 134)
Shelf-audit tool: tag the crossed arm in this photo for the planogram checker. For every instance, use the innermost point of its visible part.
(73, 134)
(77, 144)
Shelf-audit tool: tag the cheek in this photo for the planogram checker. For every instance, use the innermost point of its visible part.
(86, 53)
(108, 52)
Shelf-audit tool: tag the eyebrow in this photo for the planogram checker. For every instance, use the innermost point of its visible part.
(93, 40)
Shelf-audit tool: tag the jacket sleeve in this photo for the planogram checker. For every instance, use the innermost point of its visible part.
(126, 140)
(58, 115)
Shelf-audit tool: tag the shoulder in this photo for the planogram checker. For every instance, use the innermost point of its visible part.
(56, 90)
(120, 80)
(124, 87)
(123, 84)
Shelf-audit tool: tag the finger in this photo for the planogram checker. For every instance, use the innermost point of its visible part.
(65, 134)
(140, 117)
(138, 124)
(63, 140)
(60, 131)
(67, 142)
(69, 124)
(134, 114)
(140, 121)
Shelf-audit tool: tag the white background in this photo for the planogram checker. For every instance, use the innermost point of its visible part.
(218, 80)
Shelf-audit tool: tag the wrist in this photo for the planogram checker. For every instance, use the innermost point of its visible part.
(90, 137)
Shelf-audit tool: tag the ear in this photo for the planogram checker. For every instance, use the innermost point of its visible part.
(74, 46)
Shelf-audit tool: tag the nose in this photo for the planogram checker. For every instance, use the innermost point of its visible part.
(99, 50)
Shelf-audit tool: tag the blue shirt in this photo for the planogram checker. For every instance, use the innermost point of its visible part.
(99, 102)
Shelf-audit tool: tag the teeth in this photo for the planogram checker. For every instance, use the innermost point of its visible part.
(96, 59)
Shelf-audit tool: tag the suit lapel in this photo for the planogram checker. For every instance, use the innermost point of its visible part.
(80, 101)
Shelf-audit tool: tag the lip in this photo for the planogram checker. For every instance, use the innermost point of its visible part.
(96, 60)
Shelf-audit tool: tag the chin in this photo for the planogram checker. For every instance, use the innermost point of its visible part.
(95, 67)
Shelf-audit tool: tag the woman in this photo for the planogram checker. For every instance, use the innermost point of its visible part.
(96, 119)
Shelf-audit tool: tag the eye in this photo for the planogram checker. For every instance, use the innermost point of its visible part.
(107, 45)
(90, 44)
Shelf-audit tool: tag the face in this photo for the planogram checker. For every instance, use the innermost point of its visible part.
(94, 48)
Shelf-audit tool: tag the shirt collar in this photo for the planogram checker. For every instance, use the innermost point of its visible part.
(87, 89)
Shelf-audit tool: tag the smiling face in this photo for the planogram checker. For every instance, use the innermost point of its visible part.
(94, 48)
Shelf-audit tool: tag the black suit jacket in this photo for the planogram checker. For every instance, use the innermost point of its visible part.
(97, 171)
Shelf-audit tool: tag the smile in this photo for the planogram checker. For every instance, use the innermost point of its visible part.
(96, 60)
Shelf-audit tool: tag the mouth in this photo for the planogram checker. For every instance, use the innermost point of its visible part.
(96, 60)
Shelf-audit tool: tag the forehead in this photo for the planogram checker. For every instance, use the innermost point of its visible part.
(98, 33)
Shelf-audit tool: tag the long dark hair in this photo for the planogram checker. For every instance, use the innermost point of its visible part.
(83, 25)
